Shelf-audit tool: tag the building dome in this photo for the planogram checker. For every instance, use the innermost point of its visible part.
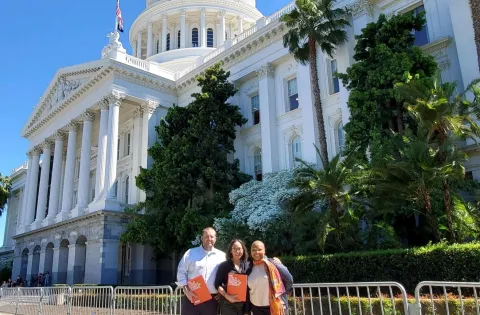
(175, 33)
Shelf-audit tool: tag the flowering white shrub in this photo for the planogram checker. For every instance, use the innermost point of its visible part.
(257, 204)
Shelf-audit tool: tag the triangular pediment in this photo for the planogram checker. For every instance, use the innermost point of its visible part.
(65, 82)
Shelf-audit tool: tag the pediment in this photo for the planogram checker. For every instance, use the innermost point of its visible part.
(65, 82)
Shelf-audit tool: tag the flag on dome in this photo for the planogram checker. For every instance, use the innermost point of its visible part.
(119, 17)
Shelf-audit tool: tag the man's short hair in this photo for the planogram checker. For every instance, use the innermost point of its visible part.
(209, 229)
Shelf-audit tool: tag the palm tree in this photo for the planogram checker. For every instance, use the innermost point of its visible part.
(475, 7)
(4, 191)
(330, 187)
(443, 118)
(315, 22)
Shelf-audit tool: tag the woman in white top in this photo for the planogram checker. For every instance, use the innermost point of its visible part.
(268, 283)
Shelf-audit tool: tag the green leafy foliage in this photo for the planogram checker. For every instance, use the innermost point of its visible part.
(440, 262)
(189, 181)
(384, 55)
(5, 186)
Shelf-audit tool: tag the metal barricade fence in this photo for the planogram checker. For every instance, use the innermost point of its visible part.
(360, 298)
(9, 300)
(56, 300)
(348, 298)
(177, 301)
(447, 298)
(86, 300)
(143, 300)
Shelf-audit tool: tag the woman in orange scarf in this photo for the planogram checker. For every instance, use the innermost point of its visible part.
(268, 283)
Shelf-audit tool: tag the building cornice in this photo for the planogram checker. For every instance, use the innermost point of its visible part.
(95, 215)
(437, 45)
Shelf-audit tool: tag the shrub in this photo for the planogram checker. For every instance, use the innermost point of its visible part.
(438, 262)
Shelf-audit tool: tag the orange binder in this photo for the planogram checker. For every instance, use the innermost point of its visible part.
(198, 286)
(237, 285)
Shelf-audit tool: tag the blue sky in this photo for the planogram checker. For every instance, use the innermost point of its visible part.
(41, 36)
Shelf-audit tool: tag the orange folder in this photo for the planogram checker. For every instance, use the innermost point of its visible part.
(237, 285)
(198, 286)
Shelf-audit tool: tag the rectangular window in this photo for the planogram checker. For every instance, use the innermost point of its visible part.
(292, 91)
(74, 198)
(77, 168)
(334, 82)
(118, 149)
(421, 36)
(127, 144)
(469, 175)
(255, 102)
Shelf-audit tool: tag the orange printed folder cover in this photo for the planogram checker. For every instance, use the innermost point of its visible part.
(198, 286)
(237, 285)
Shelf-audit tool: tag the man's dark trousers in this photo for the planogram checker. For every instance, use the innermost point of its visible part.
(206, 308)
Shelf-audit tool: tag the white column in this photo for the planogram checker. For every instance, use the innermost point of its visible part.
(62, 180)
(240, 25)
(23, 208)
(102, 151)
(67, 198)
(56, 178)
(309, 115)
(222, 28)
(139, 45)
(148, 109)
(203, 31)
(266, 86)
(182, 29)
(149, 39)
(84, 175)
(32, 188)
(43, 190)
(111, 164)
(164, 32)
(136, 154)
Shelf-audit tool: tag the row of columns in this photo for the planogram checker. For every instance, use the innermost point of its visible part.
(105, 173)
(268, 116)
(202, 32)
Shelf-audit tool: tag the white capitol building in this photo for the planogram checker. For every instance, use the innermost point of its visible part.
(88, 135)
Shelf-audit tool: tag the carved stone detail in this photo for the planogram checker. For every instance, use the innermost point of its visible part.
(87, 116)
(265, 70)
(361, 7)
(138, 113)
(115, 98)
(149, 106)
(58, 135)
(72, 126)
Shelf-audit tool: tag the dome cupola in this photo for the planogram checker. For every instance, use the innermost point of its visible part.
(175, 33)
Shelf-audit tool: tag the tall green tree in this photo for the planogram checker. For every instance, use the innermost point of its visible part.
(192, 174)
(328, 190)
(444, 118)
(5, 186)
(384, 54)
(312, 23)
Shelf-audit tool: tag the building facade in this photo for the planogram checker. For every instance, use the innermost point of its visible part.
(90, 132)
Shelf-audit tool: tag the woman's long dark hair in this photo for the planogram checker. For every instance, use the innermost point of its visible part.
(230, 246)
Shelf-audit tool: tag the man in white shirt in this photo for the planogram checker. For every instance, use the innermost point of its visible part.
(201, 261)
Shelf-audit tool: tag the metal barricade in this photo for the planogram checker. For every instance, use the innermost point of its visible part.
(177, 301)
(360, 298)
(152, 300)
(447, 298)
(88, 300)
(9, 300)
(29, 301)
(56, 300)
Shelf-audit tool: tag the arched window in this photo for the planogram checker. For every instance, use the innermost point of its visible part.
(209, 37)
(340, 138)
(115, 188)
(195, 37)
(178, 39)
(296, 149)
(168, 41)
(158, 46)
(127, 188)
(257, 164)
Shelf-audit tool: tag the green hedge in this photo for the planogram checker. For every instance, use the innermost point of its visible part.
(438, 262)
